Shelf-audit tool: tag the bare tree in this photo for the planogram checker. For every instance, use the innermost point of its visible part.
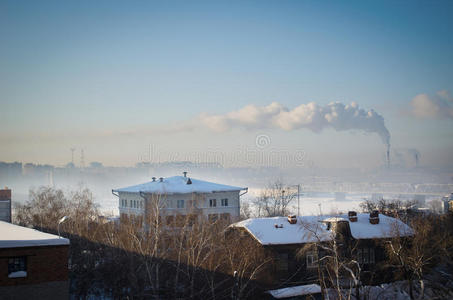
(415, 256)
(274, 200)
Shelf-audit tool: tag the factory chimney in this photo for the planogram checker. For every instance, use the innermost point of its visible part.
(388, 156)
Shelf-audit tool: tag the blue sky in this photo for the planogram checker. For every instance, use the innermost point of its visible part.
(81, 73)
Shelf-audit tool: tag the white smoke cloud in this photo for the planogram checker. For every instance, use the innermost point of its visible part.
(439, 106)
(311, 116)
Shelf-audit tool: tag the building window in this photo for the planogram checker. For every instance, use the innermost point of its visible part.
(131, 203)
(282, 262)
(225, 217)
(312, 260)
(170, 220)
(192, 219)
(365, 255)
(224, 202)
(212, 202)
(180, 220)
(180, 204)
(213, 218)
(17, 267)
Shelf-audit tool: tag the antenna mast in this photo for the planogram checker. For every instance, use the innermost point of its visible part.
(72, 155)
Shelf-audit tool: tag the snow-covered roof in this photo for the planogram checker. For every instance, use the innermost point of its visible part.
(334, 219)
(294, 291)
(178, 185)
(310, 229)
(12, 236)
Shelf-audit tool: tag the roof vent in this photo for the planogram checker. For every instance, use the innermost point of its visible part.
(292, 219)
(185, 173)
(189, 181)
(374, 217)
(161, 179)
(154, 178)
(278, 226)
(352, 215)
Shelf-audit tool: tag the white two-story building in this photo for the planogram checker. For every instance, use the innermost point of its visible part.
(175, 198)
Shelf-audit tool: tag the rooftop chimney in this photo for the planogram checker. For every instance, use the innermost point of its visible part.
(154, 178)
(185, 173)
(161, 179)
(374, 217)
(352, 216)
(292, 219)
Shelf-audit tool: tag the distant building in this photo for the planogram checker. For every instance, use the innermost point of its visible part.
(179, 197)
(447, 203)
(33, 264)
(282, 239)
(10, 170)
(5, 205)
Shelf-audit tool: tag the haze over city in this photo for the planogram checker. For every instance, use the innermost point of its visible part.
(240, 149)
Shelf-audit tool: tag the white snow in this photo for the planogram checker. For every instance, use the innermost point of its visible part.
(310, 229)
(294, 291)
(17, 274)
(178, 185)
(12, 236)
(334, 219)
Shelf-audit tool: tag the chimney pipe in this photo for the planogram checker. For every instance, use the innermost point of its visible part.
(154, 178)
(374, 217)
(161, 179)
(292, 219)
(185, 173)
(352, 215)
(388, 156)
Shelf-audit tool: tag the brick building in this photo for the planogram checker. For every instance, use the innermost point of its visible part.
(282, 239)
(33, 264)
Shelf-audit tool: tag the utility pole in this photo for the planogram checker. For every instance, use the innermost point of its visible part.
(298, 199)
(82, 159)
(72, 155)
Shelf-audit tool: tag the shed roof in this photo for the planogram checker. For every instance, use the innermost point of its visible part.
(12, 236)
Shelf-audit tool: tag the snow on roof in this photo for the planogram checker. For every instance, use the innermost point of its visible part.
(334, 219)
(294, 291)
(12, 236)
(310, 229)
(178, 185)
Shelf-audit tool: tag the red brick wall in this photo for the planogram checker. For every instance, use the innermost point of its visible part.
(44, 264)
(5, 194)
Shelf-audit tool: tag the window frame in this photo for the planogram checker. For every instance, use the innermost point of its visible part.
(17, 264)
(213, 202)
(311, 260)
(282, 262)
(224, 202)
(180, 203)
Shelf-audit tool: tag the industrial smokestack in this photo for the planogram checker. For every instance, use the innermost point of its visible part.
(388, 156)
(415, 154)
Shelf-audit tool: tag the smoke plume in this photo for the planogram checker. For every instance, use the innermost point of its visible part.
(336, 115)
